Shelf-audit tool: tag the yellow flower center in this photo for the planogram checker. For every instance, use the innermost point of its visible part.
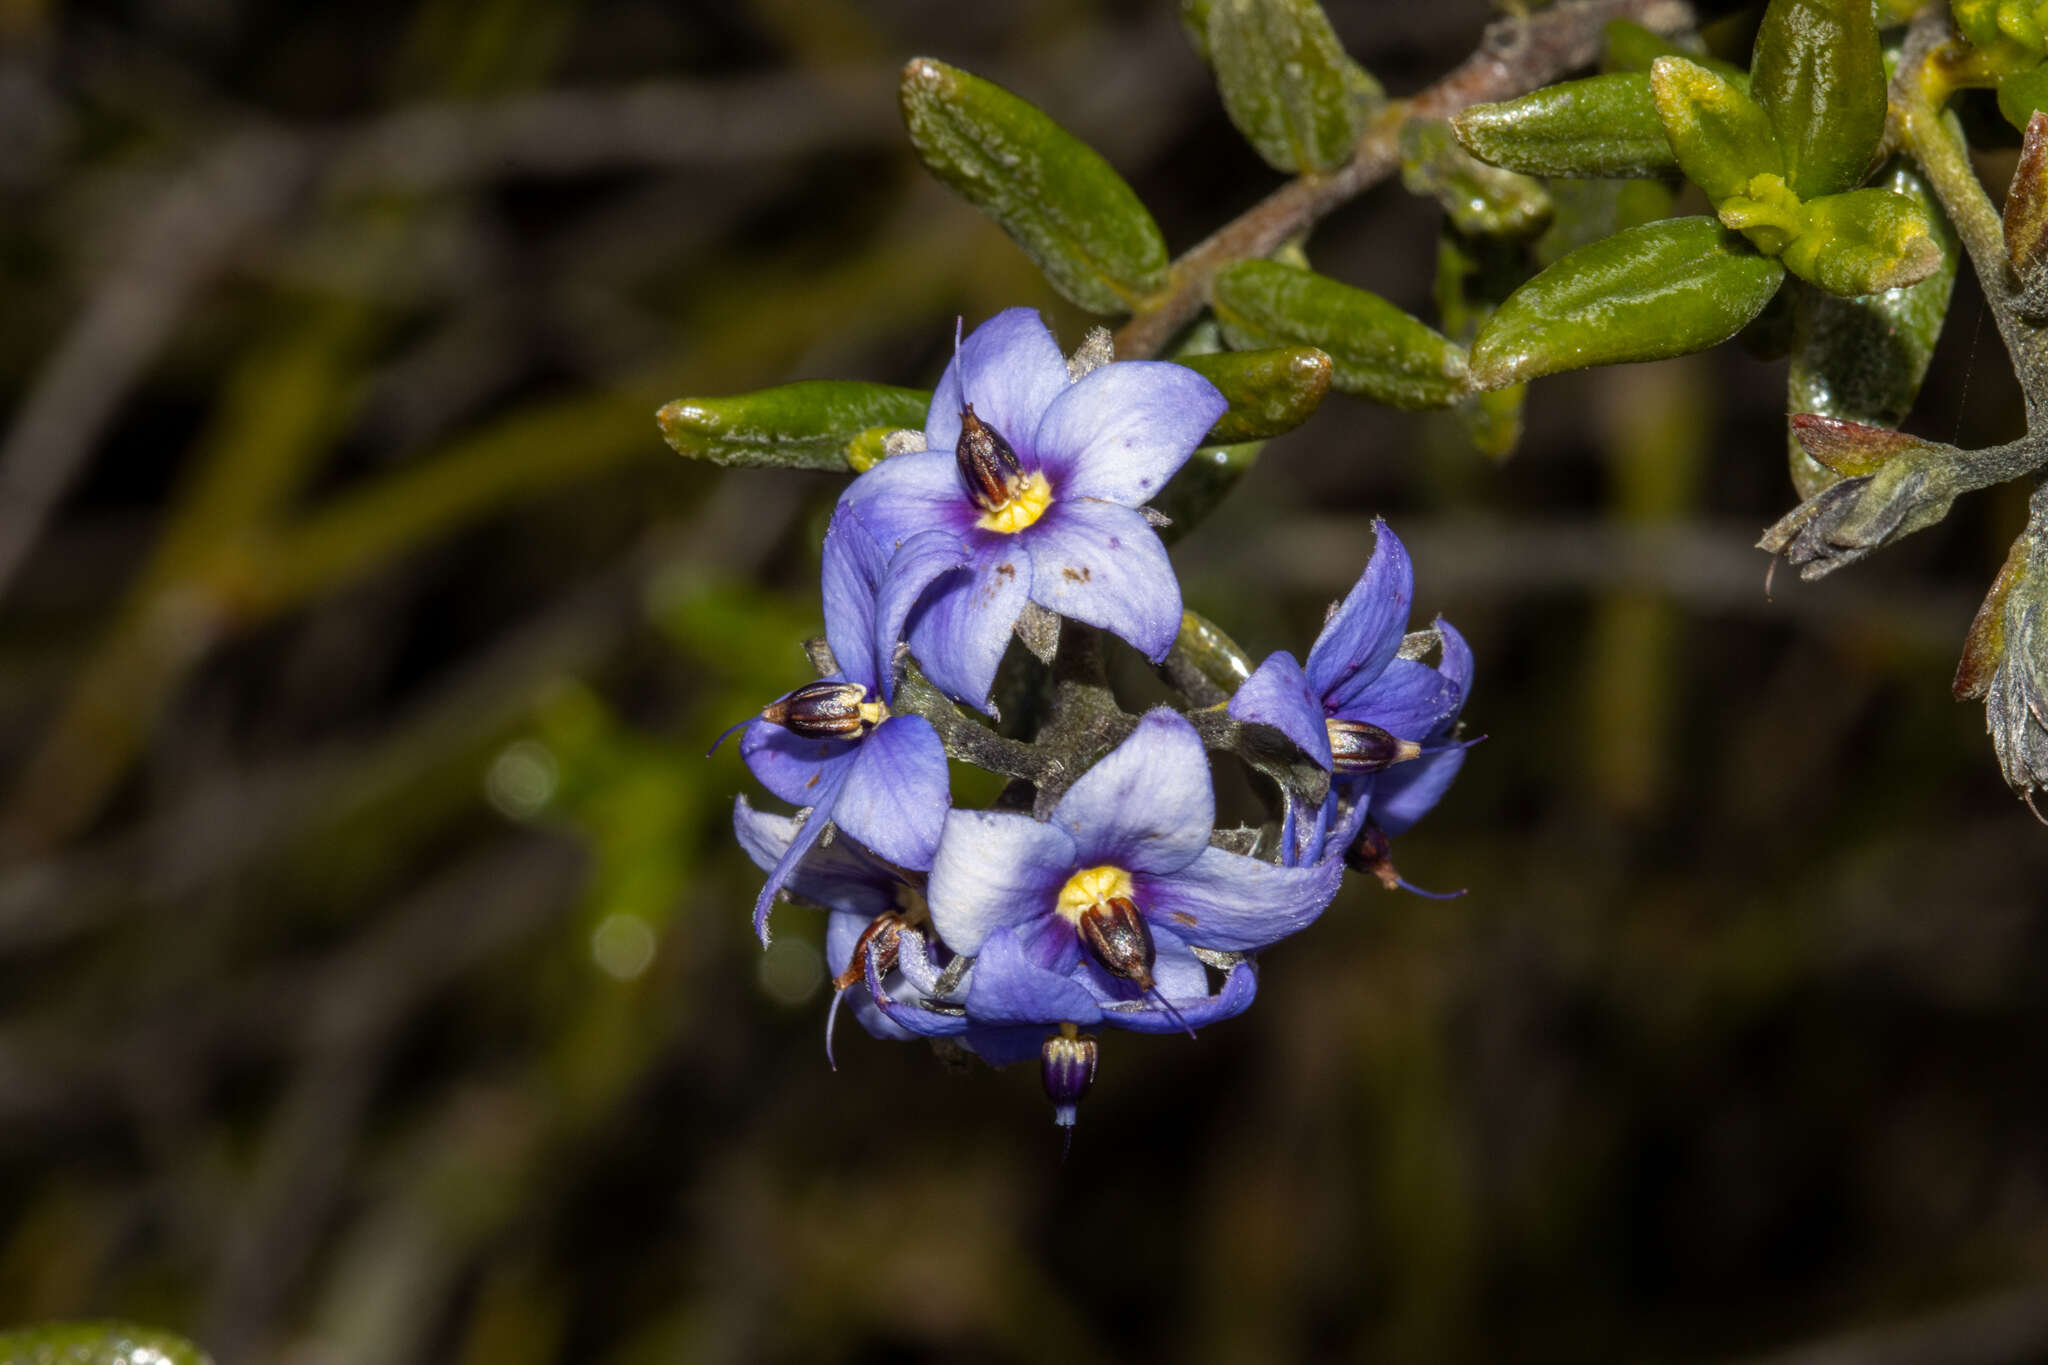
(1091, 887)
(1029, 497)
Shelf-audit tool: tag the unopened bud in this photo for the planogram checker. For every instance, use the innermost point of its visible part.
(1357, 746)
(1067, 1065)
(1373, 854)
(2026, 218)
(987, 463)
(879, 943)
(1115, 935)
(825, 710)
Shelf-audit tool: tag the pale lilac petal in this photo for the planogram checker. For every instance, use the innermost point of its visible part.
(1406, 792)
(1146, 1016)
(913, 1016)
(915, 960)
(1365, 632)
(910, 571)
(1125, 429)
(1147, 805)
(1408, 698)
(800, 843)
(1006, 989)
(854, 565)
(1456, 661)
(1228, 901)
(786, 763)
(897, 791)
(840, 877)
(908, 494)
(1011, 369)
(962, 626)
(995, 868)
(1102, 564)
(1277, 694)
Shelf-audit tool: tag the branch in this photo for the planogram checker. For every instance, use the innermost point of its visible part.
(1515, 56)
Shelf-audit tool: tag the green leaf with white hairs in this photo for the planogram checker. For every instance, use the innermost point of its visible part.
(1286, 81)
(1056, 197)
(1271, 391)
(1721, 137)
(1602, 127)
(1864, 242)
(814, 424)
(1377, 350)
(1660, 290)
(1819, 75)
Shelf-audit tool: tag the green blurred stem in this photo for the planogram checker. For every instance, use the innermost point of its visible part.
(1514, 57)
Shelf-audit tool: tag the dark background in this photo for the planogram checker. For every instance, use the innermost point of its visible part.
(375, 977)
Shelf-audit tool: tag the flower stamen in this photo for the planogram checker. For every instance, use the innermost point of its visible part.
(1009, 498)
(827, 710)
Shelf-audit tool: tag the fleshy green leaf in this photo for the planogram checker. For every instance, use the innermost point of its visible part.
(1722, 139)
(807, 425)
(1073, 215)
(1287, 83)
(2023, 94)
(1863, 359)
(1664, 289)
(1270, 391)
(1378, 350)
(1600, 127)
(1819, 74)
(97, 1343)
(1864, 241)
(1482, 200)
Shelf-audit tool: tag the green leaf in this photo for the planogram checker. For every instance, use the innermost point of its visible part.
(1819, 74)
(1722, 139)
(1600, 127)
(1661, 290)
(1863, 359)
(1287, 83)
(1631, 47)
(1864, 241)
(1482, 200)
(97, 1343)
(1073, 215)
(1378, 350)
(1270, 391)
(1584, 211)
(2023, 94)
(807, 425)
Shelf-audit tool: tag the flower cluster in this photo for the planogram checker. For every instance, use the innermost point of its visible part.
(1100, 893)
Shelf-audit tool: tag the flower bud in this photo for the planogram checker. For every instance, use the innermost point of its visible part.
(1357, 746)
(825, 710)
(987, 463)
(1373, 854)
(1115, 935)
(879, 942)
(1067, 1066)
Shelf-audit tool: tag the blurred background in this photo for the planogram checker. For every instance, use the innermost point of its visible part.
(375, 976)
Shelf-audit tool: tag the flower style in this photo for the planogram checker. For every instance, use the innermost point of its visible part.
(833, 745)
(1380, 723)
(1039, 480)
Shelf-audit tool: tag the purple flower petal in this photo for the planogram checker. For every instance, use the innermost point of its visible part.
(1226, 900)
(897, 792)
(1277, 694)
(1408, 697)
(961, 628)
(1011, 369)
(1147, 805)
(854, 565)
(911, 570)
(1403, 794)
(907, 494)
(915, 961)
(1456, 663)
(1146, 1016)
(1101, 563)
(800, 843)
(1006, 988)
(1123, 430)
(912, 1016)
(792, 767)
(840, 877)
(1365, 633)
(995, 868)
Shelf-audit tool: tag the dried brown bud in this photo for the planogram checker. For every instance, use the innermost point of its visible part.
(1359, 747)
(1067, 1066)
(987, 463)
(879, 942)
(1115, 935)
(824, 710)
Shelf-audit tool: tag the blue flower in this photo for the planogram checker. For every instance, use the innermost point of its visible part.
(1038, 480)
(833, 745)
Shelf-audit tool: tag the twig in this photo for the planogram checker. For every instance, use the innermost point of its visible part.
(1515, 56)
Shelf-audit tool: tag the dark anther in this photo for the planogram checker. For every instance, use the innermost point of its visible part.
(1116, 936)
(879, 942)
(822, 710)
(986, 461)
(1358, 747)
(1067, 1065)
(1373, 854)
